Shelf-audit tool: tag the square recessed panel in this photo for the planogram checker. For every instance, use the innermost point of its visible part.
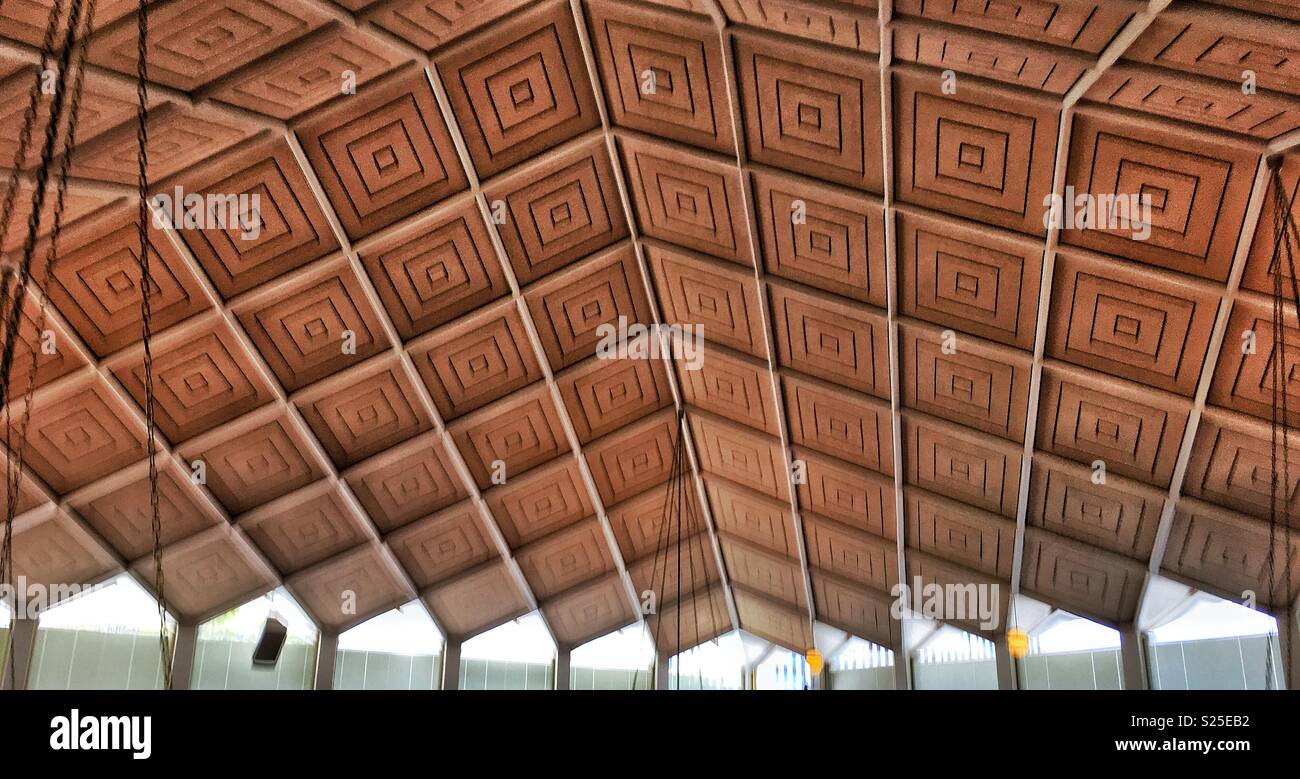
(604, 395)
(959, 534)
(961, 464)
(319, 323)
(202, 377)
(1116, 514)
(351, 588)
(511, 436)
(849, 24)
(773, 620)
(847, 425)
(989, 56)
(1140, 324)
(443, 545)
(566, 559)
(442, 267)
(122, 515)
(1245, 381)
(575, 310)
(95, 281)
(305, 527)
(558, 209)
(589, 611)
(965, 380)
(189, 136)
(739, 454)
(718, 301)
(255, 459)
(732, 386)
(477, 600)
(691, 622)
(821, 236)
(811, 111)
(662, 75)
(969, 277)
(474, 361)
(984, 152)
(273, 225)
(637, 458)
(1229, 553)
(752, 517)
(520, 87)
(846, 493)
(406, 482)
(641, 525)
(54, 551)
(1261, 264)
(531, 505)
(1133, 431)
(676, 573)
(383, 153)
(687, 198)
(363, 411)
(831, 339)
(431, 23)
(853, 608)
(1232, 465)
(1189, 187)
(1089, 582)
(210, 571)
(865, 559)
(38, 358)
(1085, 25)
(759, 570)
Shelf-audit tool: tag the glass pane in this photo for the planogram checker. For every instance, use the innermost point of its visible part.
(623, 660)
(714, 665)
(104, 639)
(1072, 653)
(224, 657)
(861, 665)
(783, 670)
(1215, 645)
(397, 650)
(953, 659)
(518, 655)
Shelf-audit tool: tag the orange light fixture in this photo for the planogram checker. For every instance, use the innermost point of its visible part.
(1018, 643)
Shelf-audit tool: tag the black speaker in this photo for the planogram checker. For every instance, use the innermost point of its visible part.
(271, 641)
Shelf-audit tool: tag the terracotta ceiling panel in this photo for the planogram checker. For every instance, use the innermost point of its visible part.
(194, 42)
(1197, 198)
(406, 482)
(683, 572)
(853, 608)
(761, 571)
(292, 229)
(27, 20)
(959, 534)
(1131, 322)
(683, 626)
(315, 68)
(29, 495)
(687, 198)
(1220, 43)
(973, 278)
(735, 453)
(1105, 511)
(520, 87)
(1284, 9)
(1089, 582)
(305, 527)
(189, 136)
(984, 152)
(685, 97)
(1010, 61)
(773, 621)
(96, 281)
(255, 459)
(44, 341)
(752, 517)
(847, 23)
(603, 395)
(78, 204)
(847, 494)
(316, 323)
(971, 467)
(636, 458)
(350, 588)
(720, 302)
(1186, 98)
(1133, 431)
(566, 558)
(822, 236)
(210, 571)
(1260, 264)
(1229, 553)
(964, 380)
(122, 514)
(443, 545)
(572, 308)
(865, 559)
(924, 570)
(1086, 25)
(511, 436)
(80, 431)
(811, 111)
(441, 268)
(203, 377)
(53, 551)
(476, 360)
(431, 23)
(558, 208)
(589, 611)
(363, 411)
(638, 523)
(476, 601)
(382, 154)
(1231, 464)
(846, 425)
(539, 502)
(1244, 382)
(732, 386)
(831, 339)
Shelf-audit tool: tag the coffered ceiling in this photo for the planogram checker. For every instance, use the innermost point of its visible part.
(394, 388)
